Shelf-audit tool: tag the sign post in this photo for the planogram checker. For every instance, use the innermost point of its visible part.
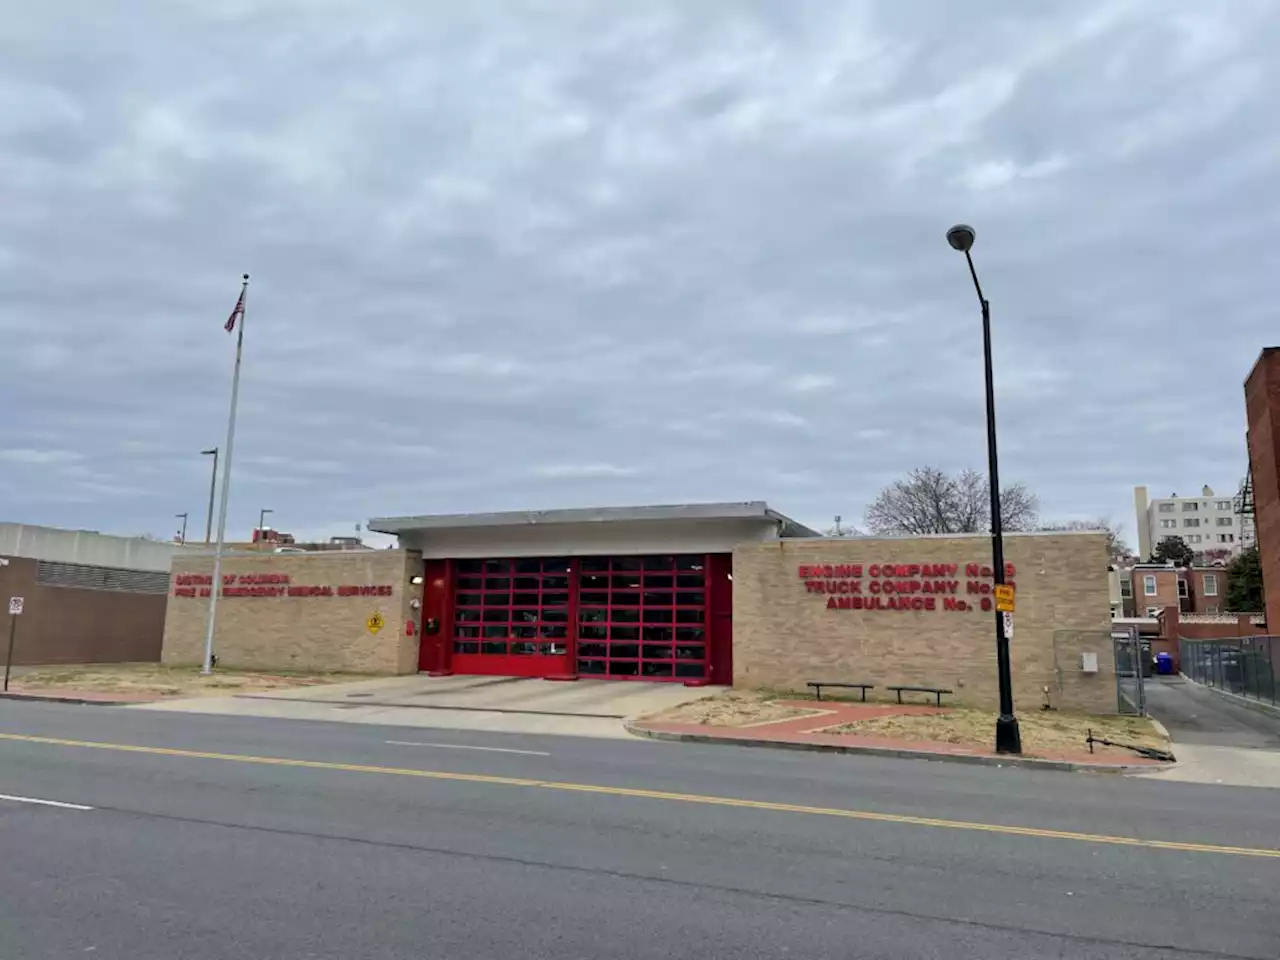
(15, 611)
(1006, 601)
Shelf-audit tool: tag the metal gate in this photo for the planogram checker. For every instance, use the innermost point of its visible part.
(1131, 664)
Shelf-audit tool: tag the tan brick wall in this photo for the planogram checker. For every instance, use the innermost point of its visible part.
(784, 636)
(294, 632)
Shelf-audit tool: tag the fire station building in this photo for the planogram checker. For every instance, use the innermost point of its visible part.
(725, 593)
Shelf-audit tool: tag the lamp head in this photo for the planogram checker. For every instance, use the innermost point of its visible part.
(961, 237)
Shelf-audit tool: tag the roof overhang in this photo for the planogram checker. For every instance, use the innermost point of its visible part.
(670, 513)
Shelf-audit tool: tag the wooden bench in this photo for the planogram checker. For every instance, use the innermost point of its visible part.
(936, 691)
(864, 687)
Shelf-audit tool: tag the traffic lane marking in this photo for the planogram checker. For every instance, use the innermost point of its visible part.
(464, 746)
(690, 798)
(44, 803)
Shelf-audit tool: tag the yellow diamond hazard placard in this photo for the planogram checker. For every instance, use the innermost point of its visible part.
(375, 623)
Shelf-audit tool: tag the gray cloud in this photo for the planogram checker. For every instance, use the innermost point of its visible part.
(537, 255)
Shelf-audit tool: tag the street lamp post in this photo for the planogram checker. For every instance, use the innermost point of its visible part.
(262, 519)
(1008, 736)
(213, 487)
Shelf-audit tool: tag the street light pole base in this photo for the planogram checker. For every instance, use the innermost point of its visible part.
(1008, 736)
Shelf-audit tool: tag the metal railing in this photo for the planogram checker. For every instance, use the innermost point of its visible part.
(1246, 666)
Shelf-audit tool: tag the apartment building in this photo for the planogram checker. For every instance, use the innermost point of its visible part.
(1205, 522)
(1145, 589)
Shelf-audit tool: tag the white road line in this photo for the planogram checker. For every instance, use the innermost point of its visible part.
(45, 803)
(462, 746)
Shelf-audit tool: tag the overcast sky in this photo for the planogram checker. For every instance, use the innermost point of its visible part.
(530, 255)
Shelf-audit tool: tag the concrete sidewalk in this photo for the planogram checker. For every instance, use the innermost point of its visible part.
(587, 708)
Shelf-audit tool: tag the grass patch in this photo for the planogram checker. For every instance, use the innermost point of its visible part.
(154, 679)
(1044, 731)
(732, 708)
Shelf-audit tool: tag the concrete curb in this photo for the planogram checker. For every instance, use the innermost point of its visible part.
(352, 702)
(77, 701)
(1029, 763)
(1258, 706)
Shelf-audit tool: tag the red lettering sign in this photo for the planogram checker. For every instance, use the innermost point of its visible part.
(900, 586)
(267, 585)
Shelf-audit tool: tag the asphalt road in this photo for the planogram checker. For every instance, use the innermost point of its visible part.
(1197, 715)
(204, 845)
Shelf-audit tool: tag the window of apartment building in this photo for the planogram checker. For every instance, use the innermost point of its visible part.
(1149, 585)
(1225, 521)
(1211, 608)
(1226, 538)
(1191, 522)
(1193, 538)
(1165, 507)
(1168, 524)
(1190, 507)
(1210, 584)
(1183, 589)
(1126, 589)
(1223, 504)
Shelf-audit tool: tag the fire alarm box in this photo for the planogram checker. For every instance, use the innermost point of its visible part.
(1088, 663)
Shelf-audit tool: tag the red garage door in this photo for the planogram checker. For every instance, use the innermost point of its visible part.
(643, 618)
(624, 618)
(511, 617)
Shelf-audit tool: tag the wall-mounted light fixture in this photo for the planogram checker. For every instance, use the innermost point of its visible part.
(416, 581)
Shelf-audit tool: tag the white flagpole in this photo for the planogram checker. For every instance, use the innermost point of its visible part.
(207, 668)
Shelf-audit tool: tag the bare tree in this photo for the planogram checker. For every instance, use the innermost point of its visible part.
(1116, 546)
(930, 500)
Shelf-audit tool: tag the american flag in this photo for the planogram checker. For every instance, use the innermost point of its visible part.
(236, 314)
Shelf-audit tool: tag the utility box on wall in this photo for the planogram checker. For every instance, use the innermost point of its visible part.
(1088, 663)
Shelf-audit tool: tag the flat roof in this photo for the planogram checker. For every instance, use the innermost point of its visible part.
(747, 510)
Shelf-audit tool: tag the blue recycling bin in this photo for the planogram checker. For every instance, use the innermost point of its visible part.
(1164, 663)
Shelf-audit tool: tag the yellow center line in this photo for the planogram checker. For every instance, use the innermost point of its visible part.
(693, 798)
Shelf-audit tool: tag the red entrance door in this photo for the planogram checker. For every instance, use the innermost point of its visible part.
(434, 629)
(511, 617)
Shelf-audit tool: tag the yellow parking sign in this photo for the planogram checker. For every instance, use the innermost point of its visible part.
(1004, 597)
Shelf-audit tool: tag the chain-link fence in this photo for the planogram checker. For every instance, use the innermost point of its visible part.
(1132, 667)
(1247, 666)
